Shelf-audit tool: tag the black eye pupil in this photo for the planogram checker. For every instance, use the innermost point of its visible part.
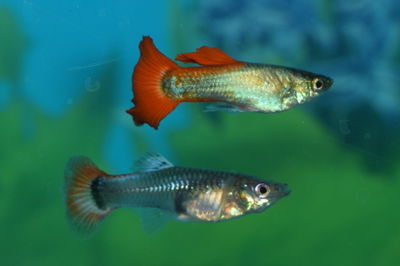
(318, 84)
(263, 190)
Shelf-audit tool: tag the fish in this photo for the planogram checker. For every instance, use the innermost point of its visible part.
(159, 84)
(161, 191)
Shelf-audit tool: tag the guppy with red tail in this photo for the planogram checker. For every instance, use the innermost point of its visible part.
(159, 84)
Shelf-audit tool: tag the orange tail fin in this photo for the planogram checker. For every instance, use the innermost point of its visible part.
(151, 103)
(83, 210)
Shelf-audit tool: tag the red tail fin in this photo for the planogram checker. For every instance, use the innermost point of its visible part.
(151, 104)
(83, 211)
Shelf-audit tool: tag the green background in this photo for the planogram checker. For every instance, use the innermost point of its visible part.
(339, 212)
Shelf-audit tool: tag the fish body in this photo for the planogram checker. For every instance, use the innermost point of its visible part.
(159, 84)
(185, 194)
(249, 86)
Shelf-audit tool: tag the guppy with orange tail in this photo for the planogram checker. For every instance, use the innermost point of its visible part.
(159, 84)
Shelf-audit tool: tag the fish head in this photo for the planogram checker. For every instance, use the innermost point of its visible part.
(254, 195)
(262, 194)
(300, 86)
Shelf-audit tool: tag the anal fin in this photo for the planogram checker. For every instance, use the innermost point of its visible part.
(153, 219)
(225, 107)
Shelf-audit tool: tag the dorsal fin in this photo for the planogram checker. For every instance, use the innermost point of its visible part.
(206, 56)
(152, 162)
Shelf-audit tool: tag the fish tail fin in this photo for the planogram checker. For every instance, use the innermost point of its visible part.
(84, 207)
(151, 103)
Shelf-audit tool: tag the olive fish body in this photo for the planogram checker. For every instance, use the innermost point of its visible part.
(249, 86)
(159, 84)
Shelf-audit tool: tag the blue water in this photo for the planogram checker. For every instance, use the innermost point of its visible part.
(65, 83)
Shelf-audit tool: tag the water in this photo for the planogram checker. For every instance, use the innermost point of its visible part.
(65, 85)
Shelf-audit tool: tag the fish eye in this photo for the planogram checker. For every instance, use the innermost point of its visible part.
(318, 84)
(262, 190)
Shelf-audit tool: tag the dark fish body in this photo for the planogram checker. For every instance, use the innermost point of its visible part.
(185, 194)
(191, 194)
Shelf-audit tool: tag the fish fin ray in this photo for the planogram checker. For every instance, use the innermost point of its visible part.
(152, 162)
(151, 103)
(206, 56)
(83, 213)
(153, 219)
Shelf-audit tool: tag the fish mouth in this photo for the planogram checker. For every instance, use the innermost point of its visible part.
(328, 82)
(280, 190)
(284, 190)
